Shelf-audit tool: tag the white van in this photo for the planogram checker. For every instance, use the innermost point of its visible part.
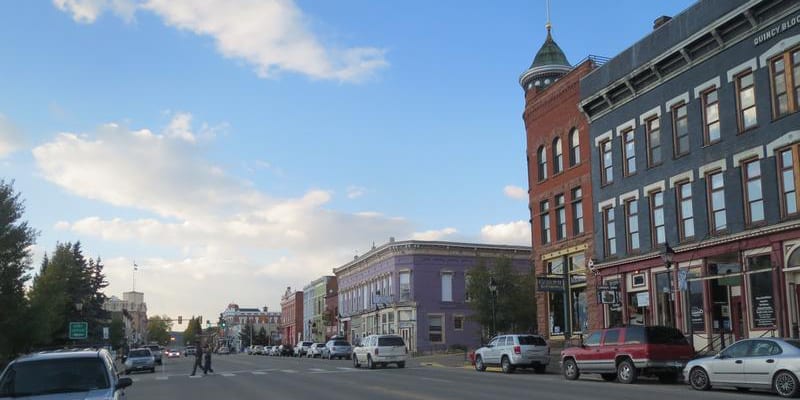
(380, 350)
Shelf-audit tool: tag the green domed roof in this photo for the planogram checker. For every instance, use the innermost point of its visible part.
(550, 54)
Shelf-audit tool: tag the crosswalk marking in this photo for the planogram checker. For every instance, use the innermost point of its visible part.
(259, 373)
(316, 370)
(289, 371)
(194, 376)
(345, 368)
(228, 374)
(161, 378)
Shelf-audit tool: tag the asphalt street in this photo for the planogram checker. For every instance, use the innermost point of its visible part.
(257, 377)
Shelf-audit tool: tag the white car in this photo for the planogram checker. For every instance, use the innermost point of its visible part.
(315, 350)
(380, 350)
(760, 363)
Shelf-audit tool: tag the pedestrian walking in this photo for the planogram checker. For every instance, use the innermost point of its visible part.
(198, 359)
(208, 361)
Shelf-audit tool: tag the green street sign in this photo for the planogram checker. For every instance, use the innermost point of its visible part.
(78, 330)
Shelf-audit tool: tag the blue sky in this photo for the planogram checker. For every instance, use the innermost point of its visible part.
(238, 147)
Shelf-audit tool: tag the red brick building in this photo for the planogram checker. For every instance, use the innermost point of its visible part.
(560, 192)
(291, 316)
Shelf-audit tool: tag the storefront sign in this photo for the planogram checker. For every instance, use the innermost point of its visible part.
(763, 312)
(643, 299)
(550, 284)
(776, 29)
(577, 279)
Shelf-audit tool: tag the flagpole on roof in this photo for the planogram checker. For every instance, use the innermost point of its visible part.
(135, 268)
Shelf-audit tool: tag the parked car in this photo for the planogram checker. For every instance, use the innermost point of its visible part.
(381, 350)
(315, 350)
(624, 354)
(189, 351)
(141, 359)
(514, 351)
(302, 349)
(275, 351)
(258, 350)
(337, 349)
(156, 350)
(64, 374)
(762, 363)
(286, 350)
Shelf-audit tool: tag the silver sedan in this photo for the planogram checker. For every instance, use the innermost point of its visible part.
(760, 363)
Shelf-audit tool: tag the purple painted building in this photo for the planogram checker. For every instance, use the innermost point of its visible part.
(417, 289)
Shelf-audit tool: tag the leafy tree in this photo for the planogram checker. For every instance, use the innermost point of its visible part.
(158, 328)
(514, 307)
(16, 239)
(193, 331)
(116, 332)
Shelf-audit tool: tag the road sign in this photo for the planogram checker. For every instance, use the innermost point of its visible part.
(78, 330)
(105, 333)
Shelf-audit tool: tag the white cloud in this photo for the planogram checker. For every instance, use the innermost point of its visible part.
(180, 127)
(270, 35)
(515, 192)
(223, 228)
(354, 192)
(512, 233)
(440, 234)
(87, 11)
(10, 137)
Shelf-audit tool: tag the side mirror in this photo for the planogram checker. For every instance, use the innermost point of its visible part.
(580, 337)
(122, 383)
(721, 356)
(490, 345)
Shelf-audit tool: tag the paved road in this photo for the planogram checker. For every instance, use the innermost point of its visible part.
(258, 377)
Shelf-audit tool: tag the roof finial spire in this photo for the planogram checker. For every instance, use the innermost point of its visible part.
(548, 25)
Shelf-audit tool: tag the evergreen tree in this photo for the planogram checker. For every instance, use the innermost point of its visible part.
(193, 331)
(116, 332)
(16, 239)
(247, 332)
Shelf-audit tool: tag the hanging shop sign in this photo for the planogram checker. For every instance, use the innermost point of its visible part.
(545, 284)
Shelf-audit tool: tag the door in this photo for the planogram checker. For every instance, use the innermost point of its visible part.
(607, 353)
(495, 350)
(760, 364)
(408, 336)
(728, 366)
(587, 358)
(737, 319)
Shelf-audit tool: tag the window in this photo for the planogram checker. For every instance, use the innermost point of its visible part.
(574, 148)
(467, 280)
(629, 152)
(435, 331)
(544, 218)
(612, 336)
(685, 211)
(593, 339)
(716, 201)
(558, 156)
(609, 231)
(447, 286)
(746, 101)
(561, 218)
(541, 159)
(458, 322)
(680, 128)
(754, 200)
(405, 286)
(785, 86)
(632, 223)
(606, 163)
(657, 217)
(711, 116)
(761, 294)
(577, 211)
(787, 165)
(653, 128)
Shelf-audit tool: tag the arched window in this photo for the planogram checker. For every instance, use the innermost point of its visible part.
(558, 156)
(574, 147)
(541, 159)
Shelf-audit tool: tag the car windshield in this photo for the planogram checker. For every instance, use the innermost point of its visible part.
(531, 341)
(153, 348)
(390, 341)
(664, 335)
(33, 378)
(341, 343)
(139, 353)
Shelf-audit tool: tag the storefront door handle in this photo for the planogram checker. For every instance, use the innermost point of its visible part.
(770, 361)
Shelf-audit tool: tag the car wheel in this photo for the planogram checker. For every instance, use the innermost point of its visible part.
(668, 377)
(370, 364)
(626, 372)
(609, 377)
(571, 371)
(401, 364)
(540, 369)
(505, 365)
(785, 384)
(355, 362)
(479, 365)
(698, 378)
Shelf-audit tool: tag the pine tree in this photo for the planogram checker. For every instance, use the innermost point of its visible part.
(16, 239)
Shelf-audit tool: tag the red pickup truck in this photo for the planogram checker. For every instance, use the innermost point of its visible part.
(625, 353)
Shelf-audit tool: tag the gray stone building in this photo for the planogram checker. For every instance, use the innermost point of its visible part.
(696, 141)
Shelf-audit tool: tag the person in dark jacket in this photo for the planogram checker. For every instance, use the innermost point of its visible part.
(207, 367)
(198, 359)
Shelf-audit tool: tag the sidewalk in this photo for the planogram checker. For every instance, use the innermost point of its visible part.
(457, 360)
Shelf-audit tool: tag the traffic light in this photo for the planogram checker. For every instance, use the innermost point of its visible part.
(180, 320)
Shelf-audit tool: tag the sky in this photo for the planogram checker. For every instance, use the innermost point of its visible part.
(232, 148)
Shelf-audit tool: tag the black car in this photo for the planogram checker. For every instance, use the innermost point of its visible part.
(286, 350)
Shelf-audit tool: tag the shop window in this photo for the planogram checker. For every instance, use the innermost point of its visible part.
(555, 266)
(730, 276)
(557, 320)
(580, 309)
(762, 302)
(696, 304)
(638, 308)
(614, 310)
(665, 312)
(653, 128)
(435, 329)
(746, 101)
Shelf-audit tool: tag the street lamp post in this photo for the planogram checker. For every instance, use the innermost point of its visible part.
(493, 291)
(667, 257)
(78, 308)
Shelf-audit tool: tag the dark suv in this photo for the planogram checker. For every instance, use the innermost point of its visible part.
(625, 353)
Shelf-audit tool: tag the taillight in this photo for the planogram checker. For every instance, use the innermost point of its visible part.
(517, 350)
(376, 351)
